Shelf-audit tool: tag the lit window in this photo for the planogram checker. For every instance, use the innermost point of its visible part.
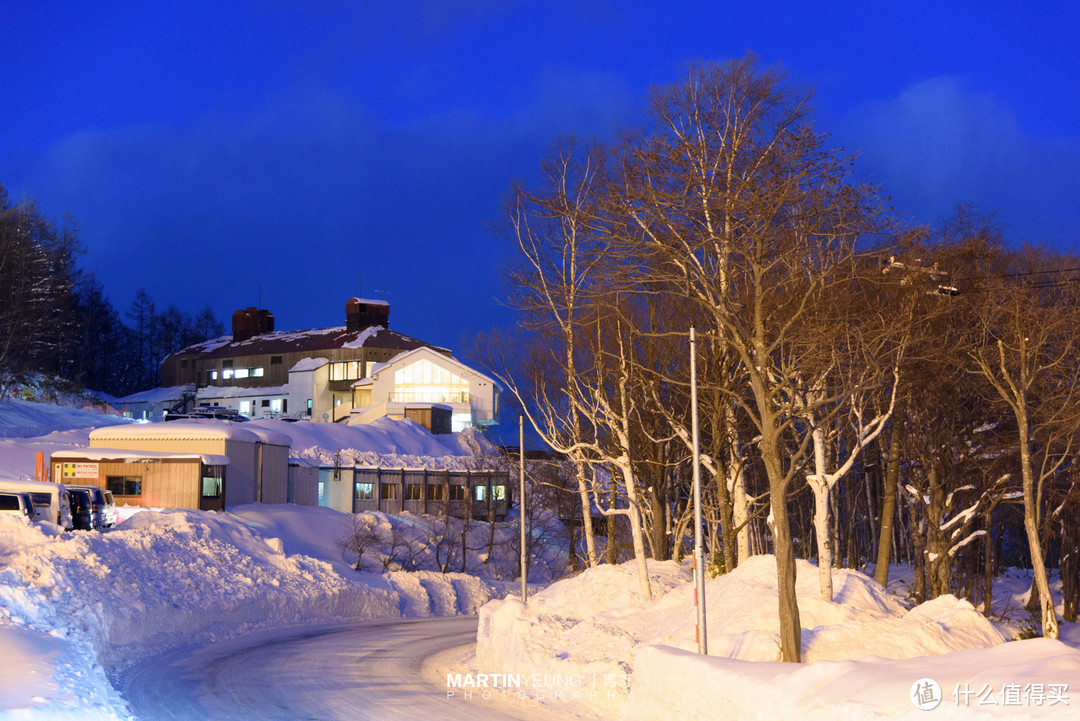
(425, 382)
(240, 373)
(364, 491)
(256, 372)
(479, 492)
(498, 493)
(245, 408)
(213, 375)
(227, 373)
(275, 405)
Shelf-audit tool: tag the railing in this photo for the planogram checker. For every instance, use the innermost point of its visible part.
(429, 397)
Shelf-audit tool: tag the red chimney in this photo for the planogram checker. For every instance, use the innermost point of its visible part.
(251, 322)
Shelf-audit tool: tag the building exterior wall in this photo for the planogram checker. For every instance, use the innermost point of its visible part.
(303, 484)
(166, 483)
(242, 485)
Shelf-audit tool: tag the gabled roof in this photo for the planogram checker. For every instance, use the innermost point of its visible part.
(412, 355)
(189, 430)
(300, 341)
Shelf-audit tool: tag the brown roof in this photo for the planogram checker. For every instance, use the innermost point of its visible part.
(304, 340)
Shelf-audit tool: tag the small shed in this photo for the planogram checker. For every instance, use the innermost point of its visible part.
(258, 459)
(151, 479)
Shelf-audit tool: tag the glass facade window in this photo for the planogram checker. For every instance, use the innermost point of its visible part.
(347, 371)
(425, 382)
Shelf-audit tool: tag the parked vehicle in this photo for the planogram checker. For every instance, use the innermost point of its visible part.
(51, 500)
(17, 503)
(82, 511)
(97, 505)
(207, 412)
(110, 510)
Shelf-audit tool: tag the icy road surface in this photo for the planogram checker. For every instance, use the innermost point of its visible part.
(371, 670)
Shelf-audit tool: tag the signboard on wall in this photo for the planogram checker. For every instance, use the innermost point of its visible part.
(79, 470)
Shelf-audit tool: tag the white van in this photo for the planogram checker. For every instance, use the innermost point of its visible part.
(51, 501)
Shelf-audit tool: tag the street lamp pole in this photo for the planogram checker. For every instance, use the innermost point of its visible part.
(699, 561)
(521, 512)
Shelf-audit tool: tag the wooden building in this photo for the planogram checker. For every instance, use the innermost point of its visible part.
(153, 479)
(258, 459)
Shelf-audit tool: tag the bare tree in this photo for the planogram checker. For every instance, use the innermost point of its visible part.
(361, 533)
(740, 206)
(1027, 359)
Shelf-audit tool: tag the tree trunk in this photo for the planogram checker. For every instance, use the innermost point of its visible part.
(821, 532)
(888, 505)
(988, 564)
(1050, 627)
(790, 624)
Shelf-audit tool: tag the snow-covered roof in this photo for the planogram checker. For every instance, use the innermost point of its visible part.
(403, 359)
(191, 430)
(298, 341)
(241, 392)
(157, 395)
(308, 364)
(128, 456)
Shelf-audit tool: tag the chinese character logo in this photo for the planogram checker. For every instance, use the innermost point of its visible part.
(925, 694)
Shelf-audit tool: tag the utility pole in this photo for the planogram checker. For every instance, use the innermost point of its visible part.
(699, 561)
(521, 512)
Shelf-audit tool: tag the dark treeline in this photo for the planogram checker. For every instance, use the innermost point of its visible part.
(867, 393)
(56, 319)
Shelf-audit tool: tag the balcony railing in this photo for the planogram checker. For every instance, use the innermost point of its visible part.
(428, 396)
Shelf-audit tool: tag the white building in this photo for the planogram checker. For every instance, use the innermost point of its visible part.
(426, 386)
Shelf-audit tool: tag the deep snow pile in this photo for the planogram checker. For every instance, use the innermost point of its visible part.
(25, 419)
(594, 624)
(385, 442)
(94, 601)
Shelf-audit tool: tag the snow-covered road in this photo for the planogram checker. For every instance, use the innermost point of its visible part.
(371, 670)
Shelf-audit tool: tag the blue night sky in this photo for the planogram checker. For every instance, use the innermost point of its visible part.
(306, 152)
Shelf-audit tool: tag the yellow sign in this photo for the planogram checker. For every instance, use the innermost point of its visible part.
(80, 470)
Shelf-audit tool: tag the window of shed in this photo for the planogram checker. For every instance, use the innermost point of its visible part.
(213, 478)
(365, 491)
(124, 485)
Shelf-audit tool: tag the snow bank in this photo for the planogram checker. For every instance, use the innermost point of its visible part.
(385, 442)
(1009, 681)
(74, 605)
(594, 624)
(24, 419)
